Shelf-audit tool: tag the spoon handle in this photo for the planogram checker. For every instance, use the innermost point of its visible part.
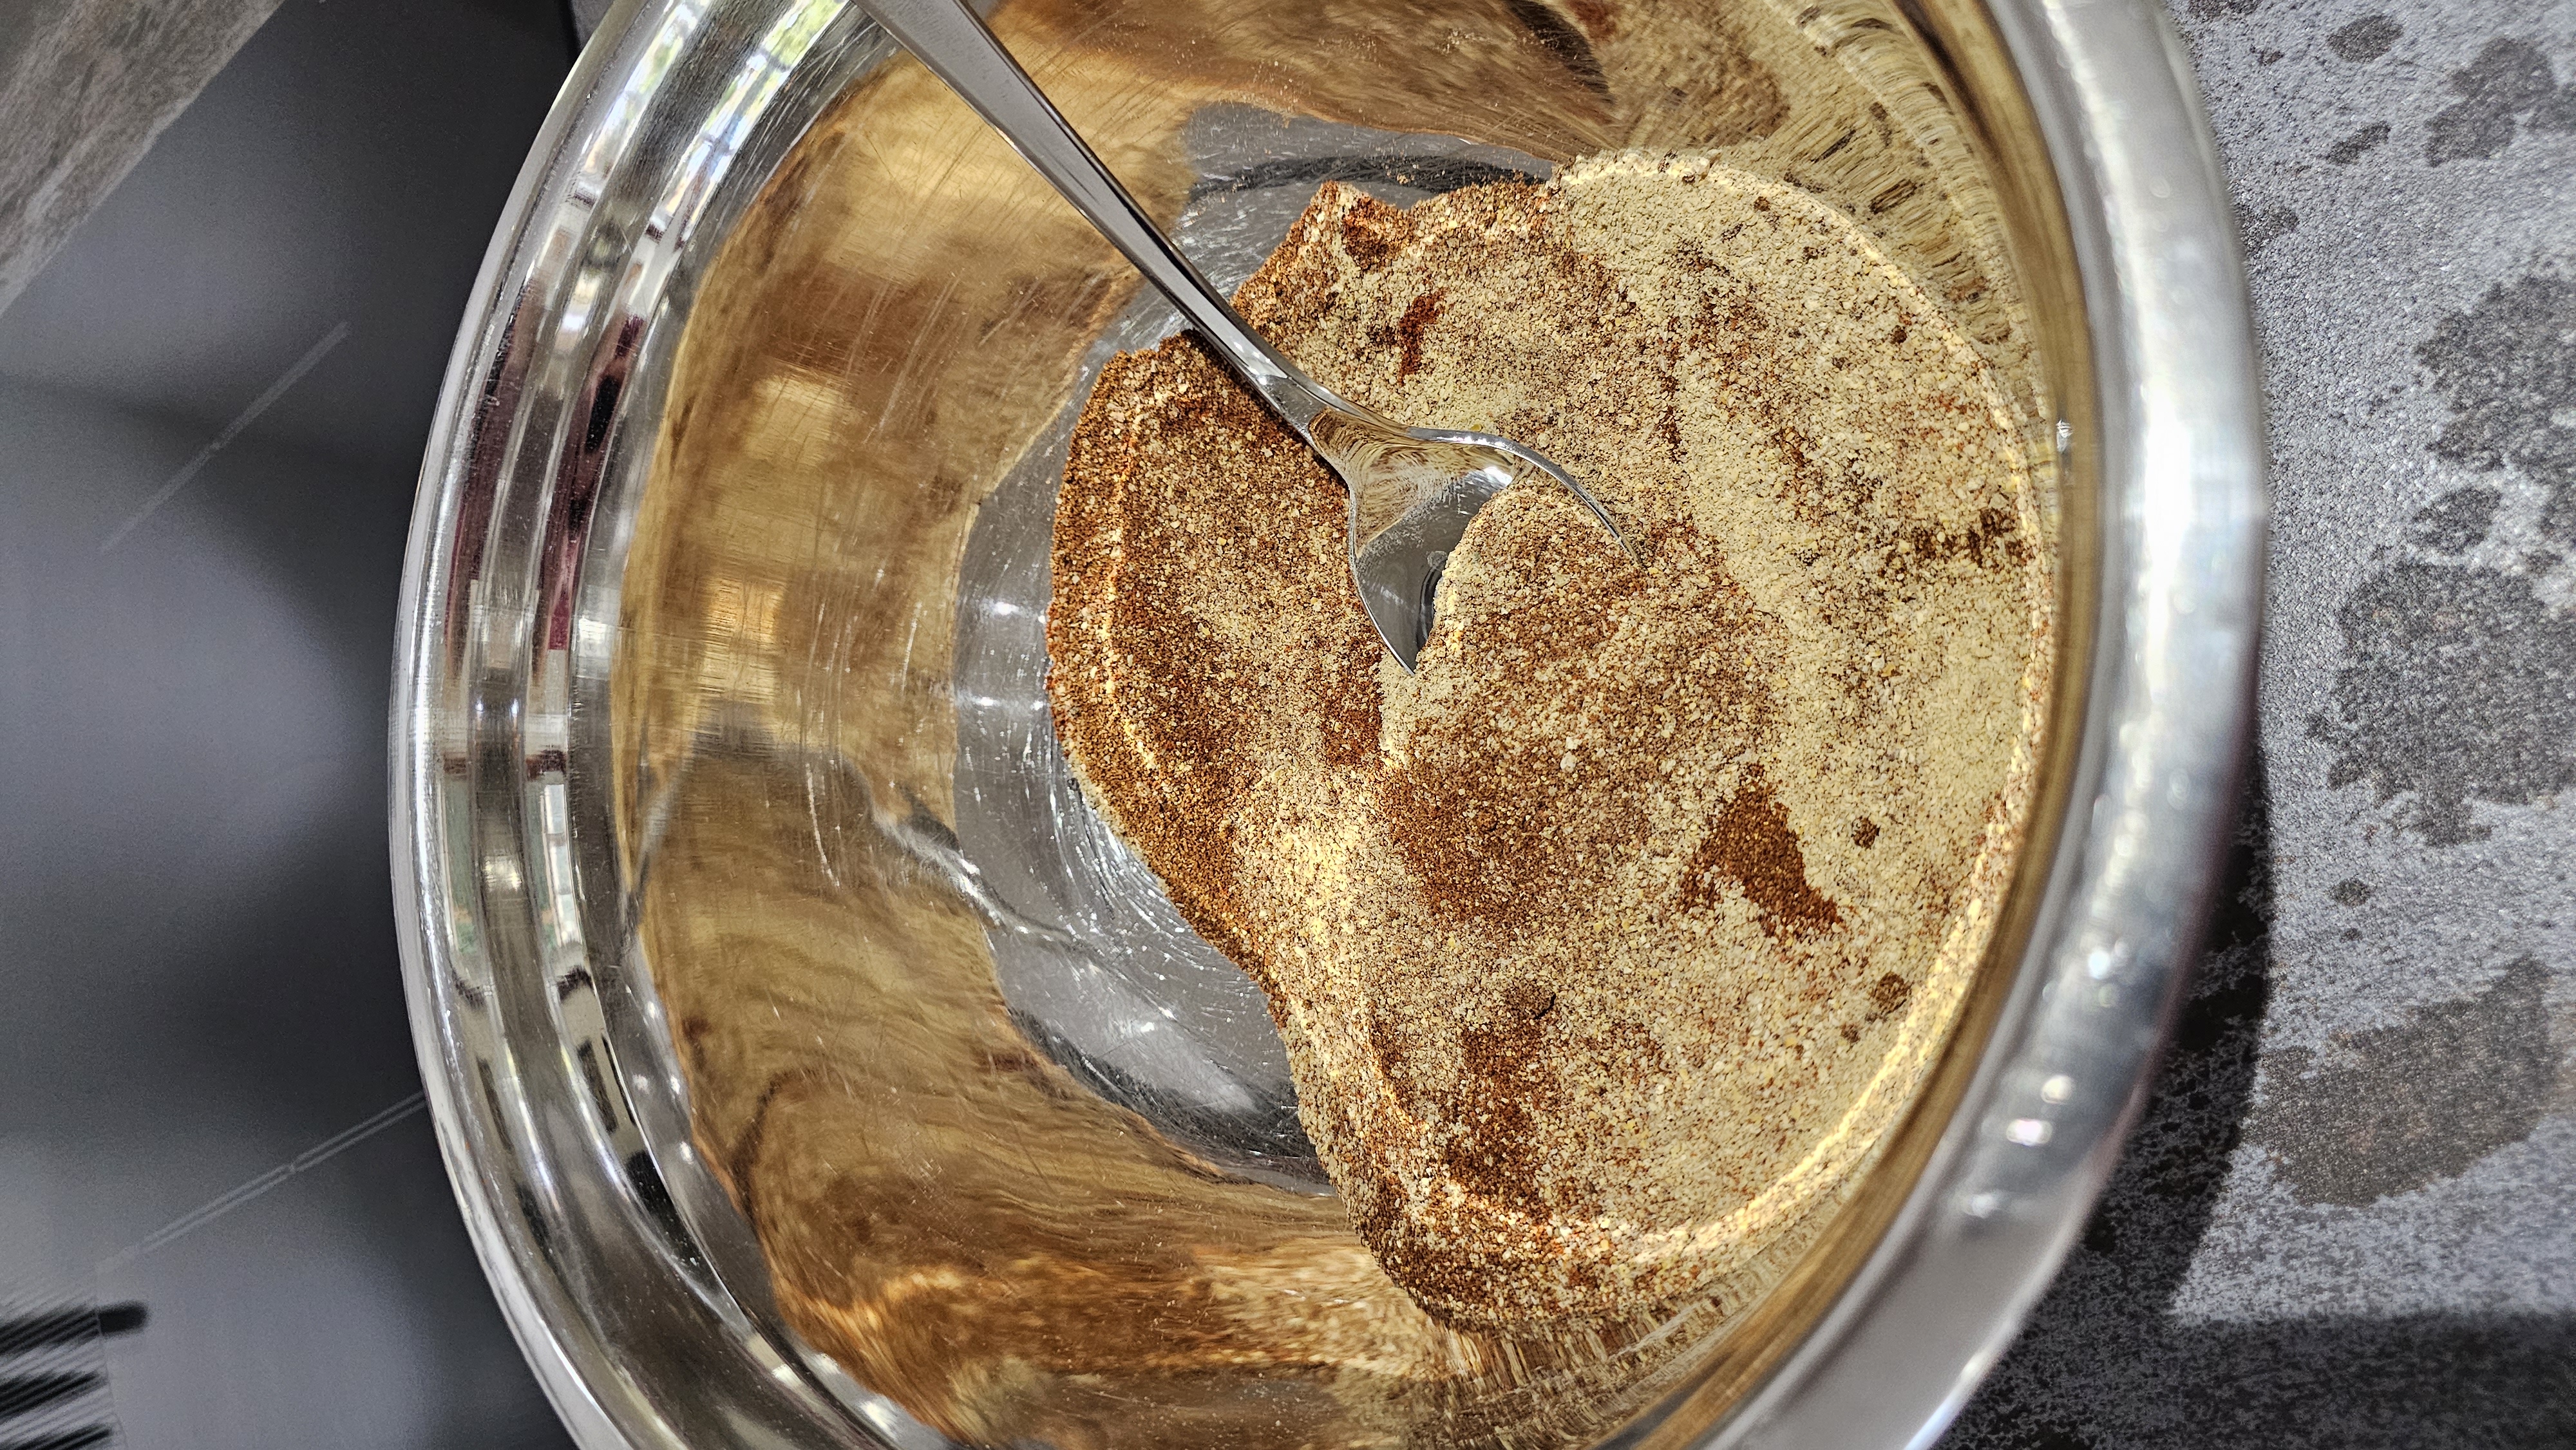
(952, 40)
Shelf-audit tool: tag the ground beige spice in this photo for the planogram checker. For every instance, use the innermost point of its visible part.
(1608, 948)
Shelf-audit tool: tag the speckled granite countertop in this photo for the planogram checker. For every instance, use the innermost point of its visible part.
(2349, 1218)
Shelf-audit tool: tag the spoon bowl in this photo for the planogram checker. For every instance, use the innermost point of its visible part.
(1413, 493)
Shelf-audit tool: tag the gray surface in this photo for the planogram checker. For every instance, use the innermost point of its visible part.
(208, 1097)
(587, 15)
(2350, 1218)
(84, 87)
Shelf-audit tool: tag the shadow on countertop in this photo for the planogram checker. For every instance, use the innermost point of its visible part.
(2102, 1365)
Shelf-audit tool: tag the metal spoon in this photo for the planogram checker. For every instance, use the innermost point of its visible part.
(1412, 490)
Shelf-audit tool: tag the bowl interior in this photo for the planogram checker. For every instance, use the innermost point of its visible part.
(1018, 1151)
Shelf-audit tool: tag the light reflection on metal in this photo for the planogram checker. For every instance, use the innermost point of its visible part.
(635, 1288)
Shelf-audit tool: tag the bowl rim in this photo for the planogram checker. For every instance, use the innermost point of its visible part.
(558, 329)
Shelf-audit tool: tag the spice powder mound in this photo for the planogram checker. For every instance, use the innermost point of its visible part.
(1609, 948)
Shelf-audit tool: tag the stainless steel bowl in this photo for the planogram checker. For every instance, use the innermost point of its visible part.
(643, 662)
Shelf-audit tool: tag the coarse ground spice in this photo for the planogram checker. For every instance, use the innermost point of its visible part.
(1609, 947)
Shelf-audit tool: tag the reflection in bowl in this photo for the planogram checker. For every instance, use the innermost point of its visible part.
(1020, 1147)
(818, 1067)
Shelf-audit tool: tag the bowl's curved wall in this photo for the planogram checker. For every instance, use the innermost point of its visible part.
(645, 578)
